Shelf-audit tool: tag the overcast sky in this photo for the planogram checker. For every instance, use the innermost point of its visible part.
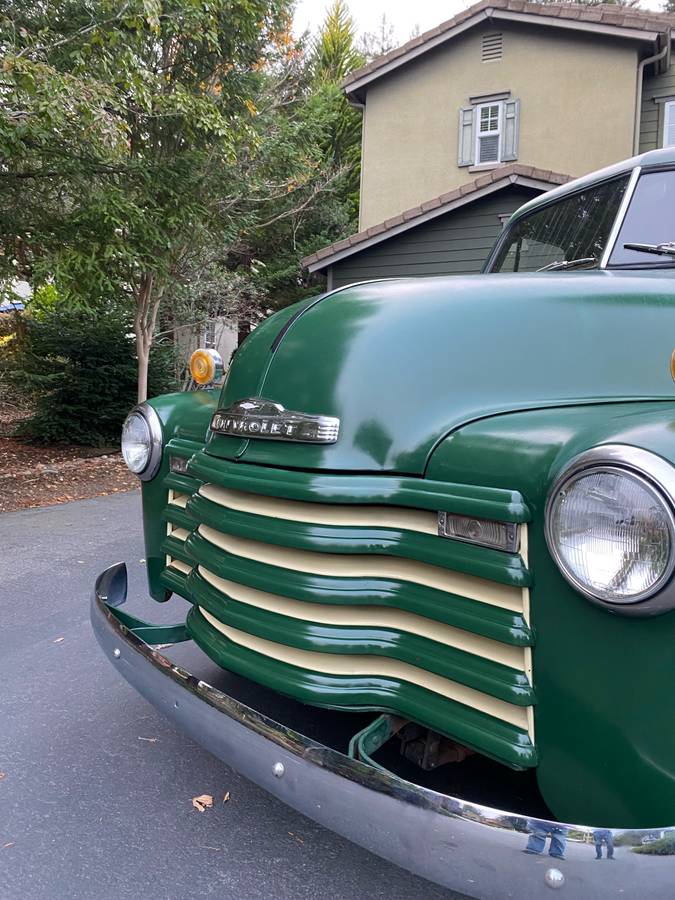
(404, 15)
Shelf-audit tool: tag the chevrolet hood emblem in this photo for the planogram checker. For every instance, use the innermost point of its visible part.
(259, 418)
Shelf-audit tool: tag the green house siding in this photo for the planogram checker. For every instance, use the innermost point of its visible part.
(456, 243)
(651, 124)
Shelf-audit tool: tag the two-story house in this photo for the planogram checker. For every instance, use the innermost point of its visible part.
(466, 122)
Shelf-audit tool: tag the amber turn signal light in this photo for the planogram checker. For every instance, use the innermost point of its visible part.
(206, 366)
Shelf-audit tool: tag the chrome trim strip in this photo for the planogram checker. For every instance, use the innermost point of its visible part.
(156, 437)
(659, 475)
(460, 844)
(256, 417)
(620, 216)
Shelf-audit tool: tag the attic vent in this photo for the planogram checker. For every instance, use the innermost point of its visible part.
(492, 47)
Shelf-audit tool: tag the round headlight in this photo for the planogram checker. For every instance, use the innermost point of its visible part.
(611, 531)
(142, 442)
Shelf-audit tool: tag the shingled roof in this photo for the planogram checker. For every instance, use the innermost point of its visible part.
(495, 180)
(617, 20)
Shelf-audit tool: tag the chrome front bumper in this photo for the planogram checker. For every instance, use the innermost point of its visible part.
(475, 850)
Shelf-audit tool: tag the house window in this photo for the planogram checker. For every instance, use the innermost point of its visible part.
(489, 130)
(488, 133)
(669, 124)
(208, 340)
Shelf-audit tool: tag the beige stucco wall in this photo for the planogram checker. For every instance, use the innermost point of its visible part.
(577, 98)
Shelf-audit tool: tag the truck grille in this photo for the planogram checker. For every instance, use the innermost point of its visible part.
(357, 605)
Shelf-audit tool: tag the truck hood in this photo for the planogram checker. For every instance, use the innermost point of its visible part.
(403, 363)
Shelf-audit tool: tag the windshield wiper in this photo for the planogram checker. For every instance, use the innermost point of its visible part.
(665, 249)
(568, 264)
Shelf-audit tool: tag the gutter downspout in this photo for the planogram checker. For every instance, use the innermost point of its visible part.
(358, 104)
(662, 54)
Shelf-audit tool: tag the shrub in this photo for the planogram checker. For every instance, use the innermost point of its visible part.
(79, 370)
(12, 399)
(663, 847)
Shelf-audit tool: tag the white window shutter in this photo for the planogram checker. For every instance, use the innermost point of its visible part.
(511, 130)
(466, 136)
(669, 124)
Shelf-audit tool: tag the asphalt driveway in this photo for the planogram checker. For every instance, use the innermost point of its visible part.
(95, 800)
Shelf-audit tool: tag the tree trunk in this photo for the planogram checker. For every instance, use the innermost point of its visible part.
(143, 360)
(148, 299)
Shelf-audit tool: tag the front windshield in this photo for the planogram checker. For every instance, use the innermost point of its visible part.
(570, 232)
(650, 220)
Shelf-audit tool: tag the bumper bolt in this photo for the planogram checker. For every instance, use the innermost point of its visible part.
(554, 878)
(278, 769)
(117, 652)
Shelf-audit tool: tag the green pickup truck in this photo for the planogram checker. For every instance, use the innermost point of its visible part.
(430, 523)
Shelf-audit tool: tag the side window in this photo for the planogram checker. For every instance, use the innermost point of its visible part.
(669, 124)
(650, 219)
(489, 132)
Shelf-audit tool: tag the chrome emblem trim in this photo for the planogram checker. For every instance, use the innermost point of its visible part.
(256, 417)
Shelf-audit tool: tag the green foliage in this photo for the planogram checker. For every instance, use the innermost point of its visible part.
(79, 370)
(628, 839)
(663, 847)
(335, 55)
(44, 301)
(152, 150)
(318, 118)
(129, 142)
(335, 51)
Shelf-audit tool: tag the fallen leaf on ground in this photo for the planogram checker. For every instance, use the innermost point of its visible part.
(226, 797)
(58, 640)
(204, 801)
(149, 740)
(40, 476)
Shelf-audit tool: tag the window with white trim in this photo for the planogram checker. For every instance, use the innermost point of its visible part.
(669, 124)
(488, 133)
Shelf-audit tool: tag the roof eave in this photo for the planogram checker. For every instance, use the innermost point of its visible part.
(318, 265)
(355, 90)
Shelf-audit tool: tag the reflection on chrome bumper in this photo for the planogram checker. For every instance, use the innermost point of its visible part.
(473, 849)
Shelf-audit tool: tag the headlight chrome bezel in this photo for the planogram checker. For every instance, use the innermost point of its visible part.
(656, 475)
(152, 420)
